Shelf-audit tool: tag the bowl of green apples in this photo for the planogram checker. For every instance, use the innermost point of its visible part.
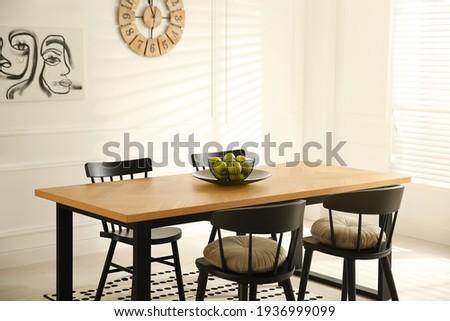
(231, 168)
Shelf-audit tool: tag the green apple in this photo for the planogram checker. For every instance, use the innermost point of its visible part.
(238, 177)
(246, 168)
(241, 158)
(220, 167)
(230, 165)
(222, 177)
(234, 168)
(214, 161)
(228, 157)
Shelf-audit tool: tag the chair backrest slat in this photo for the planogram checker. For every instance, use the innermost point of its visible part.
(391, 232)
(250, 256)
(292, 247)
(277, 254)
(358, 238)
(222, 253)
(333, 237)
(105, 225)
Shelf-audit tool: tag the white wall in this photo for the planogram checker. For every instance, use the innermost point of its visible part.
(235, 75)
(347, 60)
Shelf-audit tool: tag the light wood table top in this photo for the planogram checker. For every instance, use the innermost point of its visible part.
(138, 200)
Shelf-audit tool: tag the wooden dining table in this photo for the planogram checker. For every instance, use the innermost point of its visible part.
(142, 204)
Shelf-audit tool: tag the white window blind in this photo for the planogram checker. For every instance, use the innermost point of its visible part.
(421, 90)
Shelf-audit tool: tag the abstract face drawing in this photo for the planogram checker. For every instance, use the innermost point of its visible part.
(17, 61)
(36, 64)
(57, 65)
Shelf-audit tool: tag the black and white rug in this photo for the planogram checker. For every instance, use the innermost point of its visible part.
(164, 288)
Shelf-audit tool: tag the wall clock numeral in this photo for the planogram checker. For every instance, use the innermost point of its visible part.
(132, 4)
(129, 32)
(174, 4)
(126, 16)
(165, 45)
(152, 48)
(177, 18)
(174, 33)
(138, 44)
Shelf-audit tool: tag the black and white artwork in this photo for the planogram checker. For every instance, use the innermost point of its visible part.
(41, 64)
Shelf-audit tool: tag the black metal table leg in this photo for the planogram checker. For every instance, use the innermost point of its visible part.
(64, 253)
(141, 262)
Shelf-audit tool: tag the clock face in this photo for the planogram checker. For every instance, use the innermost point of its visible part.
(151, 28)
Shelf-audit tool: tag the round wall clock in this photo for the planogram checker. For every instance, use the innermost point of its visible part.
(151, 28)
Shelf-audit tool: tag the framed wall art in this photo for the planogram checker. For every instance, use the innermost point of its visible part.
(41, 64)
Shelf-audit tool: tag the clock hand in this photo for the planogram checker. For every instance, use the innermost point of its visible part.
(154, 17)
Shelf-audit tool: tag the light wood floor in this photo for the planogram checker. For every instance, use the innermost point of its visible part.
(421, 271)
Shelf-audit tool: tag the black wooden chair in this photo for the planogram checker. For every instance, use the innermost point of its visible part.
(354, 239)
(109, 171)
(250, 260)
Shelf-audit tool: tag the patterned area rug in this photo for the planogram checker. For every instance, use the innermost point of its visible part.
(164, 288)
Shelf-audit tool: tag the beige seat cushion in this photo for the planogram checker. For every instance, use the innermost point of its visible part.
(346, 232)
(236, 254)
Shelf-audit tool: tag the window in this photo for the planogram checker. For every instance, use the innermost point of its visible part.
(421, 90)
